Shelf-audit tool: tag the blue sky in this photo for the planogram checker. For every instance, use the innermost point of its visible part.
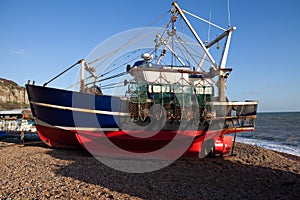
(39, 39)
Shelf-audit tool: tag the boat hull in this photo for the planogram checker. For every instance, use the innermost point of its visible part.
(67, 119)
(58, 138)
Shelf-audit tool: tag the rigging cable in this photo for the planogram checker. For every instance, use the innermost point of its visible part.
(105, 88)
(110, 77)
(123, 64)
(183, 33)
(77, 83)
(130, 42)
(151, 24)
(196, 53)
(111, 84)
(105, 73)
(219, 27)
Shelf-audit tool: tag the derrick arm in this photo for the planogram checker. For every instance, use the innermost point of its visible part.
(195, 35)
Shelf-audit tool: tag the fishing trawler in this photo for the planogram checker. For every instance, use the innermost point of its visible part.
(170, 98)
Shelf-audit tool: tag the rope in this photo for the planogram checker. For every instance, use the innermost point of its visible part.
(182, 30)
(122, 64)
(113, 52)
(219, 27)
(110, 77)
(77, 83)
(103, 86)
(106, 88)
(70, 86)
(186, 50)
(130, 42)
(136, 38)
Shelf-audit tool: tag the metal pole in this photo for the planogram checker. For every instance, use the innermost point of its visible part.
(173, 52)
(45, 84)
(233, 144)
(226, 48)
(83, 63)
(220, 37)
(222, 80)
(195, 34)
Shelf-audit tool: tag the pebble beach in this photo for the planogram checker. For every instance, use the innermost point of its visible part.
(35, 171)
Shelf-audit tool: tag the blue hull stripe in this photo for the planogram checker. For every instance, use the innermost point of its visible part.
(73, 109)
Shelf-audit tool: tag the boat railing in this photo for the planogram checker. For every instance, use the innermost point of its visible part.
(240, 114)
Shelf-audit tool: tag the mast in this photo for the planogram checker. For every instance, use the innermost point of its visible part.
(85, 67)
(195, 34)
(222, 76)
(82, 68)
(221, 67)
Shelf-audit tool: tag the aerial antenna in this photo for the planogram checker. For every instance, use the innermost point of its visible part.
(208, 32)
(228, 11)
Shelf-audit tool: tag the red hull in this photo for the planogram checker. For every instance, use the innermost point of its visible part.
(164, 144)
(58, 138)
(96, 141)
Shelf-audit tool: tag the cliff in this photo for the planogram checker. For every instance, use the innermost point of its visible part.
(12, 95)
